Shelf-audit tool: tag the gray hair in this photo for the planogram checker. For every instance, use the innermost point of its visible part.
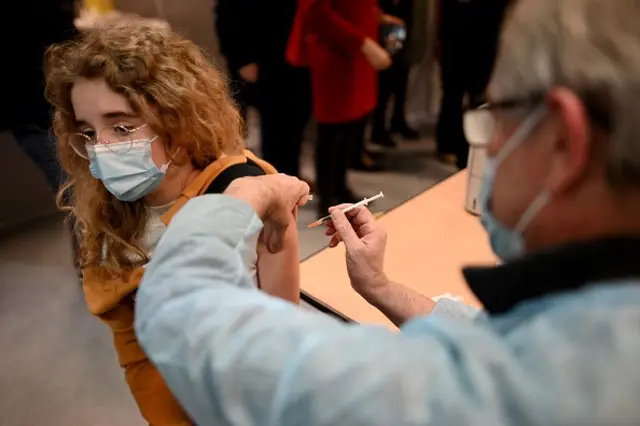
(589, 46)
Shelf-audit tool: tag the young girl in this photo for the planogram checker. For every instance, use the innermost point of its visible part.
(143, 124)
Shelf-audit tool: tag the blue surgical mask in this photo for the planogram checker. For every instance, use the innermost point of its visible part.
(508, 243)
(128, 173)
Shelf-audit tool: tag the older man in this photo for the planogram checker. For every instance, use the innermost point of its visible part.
(559, 339)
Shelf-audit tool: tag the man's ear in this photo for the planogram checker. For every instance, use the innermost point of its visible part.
(572, 143)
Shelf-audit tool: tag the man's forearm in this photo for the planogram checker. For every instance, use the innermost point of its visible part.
(399, 303)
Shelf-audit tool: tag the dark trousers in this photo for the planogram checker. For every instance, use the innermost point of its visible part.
(450, 132)
(334, 150)
(392, 83)
(40, 147)
(468, 36)
(284, 101)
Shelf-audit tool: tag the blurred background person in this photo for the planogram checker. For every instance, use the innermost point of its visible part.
(26, 113)
(25, 110)
(468, 38)
(393, 81)
(336, 40)
(236, 46)
(253, 37)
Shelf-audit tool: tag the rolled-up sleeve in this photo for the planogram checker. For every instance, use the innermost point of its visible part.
(455, 309)
(235, 356)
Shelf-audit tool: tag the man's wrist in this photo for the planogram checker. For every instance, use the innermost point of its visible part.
(374, 289)
(397, 302)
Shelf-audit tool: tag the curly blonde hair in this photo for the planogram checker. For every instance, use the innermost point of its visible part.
(171, 84)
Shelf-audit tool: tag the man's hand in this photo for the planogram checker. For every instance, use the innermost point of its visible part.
(273, 198)
(249, 73)
(365, 243)
(377, 56)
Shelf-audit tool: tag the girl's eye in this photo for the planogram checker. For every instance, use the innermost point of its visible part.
(89, 134)
(122, 129)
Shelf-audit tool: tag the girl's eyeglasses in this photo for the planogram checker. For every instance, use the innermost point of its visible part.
(118, 138)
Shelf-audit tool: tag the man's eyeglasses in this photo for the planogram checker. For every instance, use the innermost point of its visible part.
(118, 138)
(479, 122)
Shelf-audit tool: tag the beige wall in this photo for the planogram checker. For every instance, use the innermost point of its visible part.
(193, 18)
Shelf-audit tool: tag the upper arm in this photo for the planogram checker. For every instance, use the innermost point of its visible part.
(279, 273)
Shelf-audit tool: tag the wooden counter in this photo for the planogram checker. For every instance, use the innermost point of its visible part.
(430, 238)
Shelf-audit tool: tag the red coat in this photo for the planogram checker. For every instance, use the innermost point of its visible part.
(327, 37)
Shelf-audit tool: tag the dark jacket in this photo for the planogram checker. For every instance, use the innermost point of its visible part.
(469, 33)
(28, 28)
(254, 31)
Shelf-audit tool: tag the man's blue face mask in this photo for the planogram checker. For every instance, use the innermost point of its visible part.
(508, 243)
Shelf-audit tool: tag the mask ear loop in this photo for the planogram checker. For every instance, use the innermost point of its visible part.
(545, 196)
(166, 165)
(534, 208)
(525, 129)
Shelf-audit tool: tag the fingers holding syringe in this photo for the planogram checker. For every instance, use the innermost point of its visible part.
(359, 218)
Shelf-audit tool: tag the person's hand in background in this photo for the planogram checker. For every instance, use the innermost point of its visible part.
(274, 198)
(390, 20)
(377, 56)
(365, 242)
(249, 73)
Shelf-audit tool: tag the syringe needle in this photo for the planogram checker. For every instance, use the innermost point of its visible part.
(364, 202)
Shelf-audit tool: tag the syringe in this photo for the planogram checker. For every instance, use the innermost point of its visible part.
(364, 202)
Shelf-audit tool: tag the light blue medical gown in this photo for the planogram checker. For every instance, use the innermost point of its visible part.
(235, 356)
